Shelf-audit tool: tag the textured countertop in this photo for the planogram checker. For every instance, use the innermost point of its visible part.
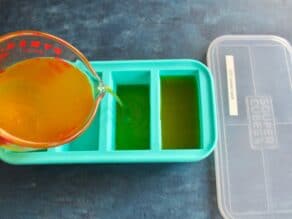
(105, 30)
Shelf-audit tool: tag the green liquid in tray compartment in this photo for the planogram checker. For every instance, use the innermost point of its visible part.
(133, 118)
(179, 113)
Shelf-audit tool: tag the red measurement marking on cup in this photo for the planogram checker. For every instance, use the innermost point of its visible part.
(3, 55)
(35, 44)
(57, 51)
(10, 45)
(22, 44)
(48, 46)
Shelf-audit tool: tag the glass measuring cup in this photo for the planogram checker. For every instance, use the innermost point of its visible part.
(23, 45)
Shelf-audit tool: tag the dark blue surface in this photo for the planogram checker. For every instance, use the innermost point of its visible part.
(129, 30)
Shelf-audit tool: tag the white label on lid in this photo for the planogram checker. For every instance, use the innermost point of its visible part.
(231, 83)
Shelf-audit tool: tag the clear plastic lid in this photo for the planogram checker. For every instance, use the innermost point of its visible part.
(253, 159)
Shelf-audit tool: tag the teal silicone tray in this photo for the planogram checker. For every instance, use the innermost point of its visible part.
(97, 144)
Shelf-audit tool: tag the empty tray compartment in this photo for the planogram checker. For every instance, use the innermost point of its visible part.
(87, 141)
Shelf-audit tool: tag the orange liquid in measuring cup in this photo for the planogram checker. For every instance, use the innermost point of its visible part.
(44, 100)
